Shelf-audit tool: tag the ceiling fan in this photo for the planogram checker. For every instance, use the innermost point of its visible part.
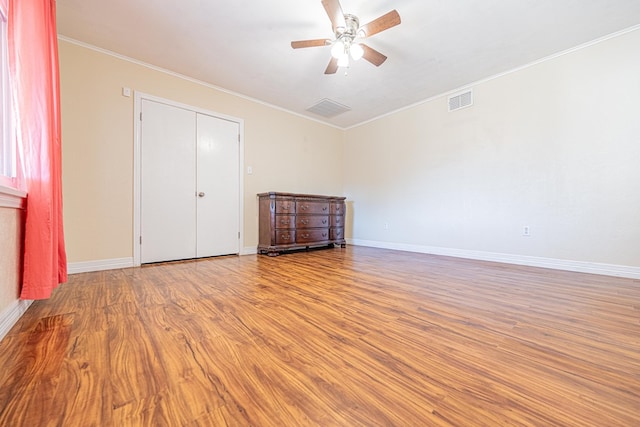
(348, 33)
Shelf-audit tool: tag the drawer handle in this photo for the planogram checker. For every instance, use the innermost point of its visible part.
(285, 237)
(303, 207)
(324, 221)
(305, 236)
(324, 208)
(304, 221)
(283, 222)
(285, 207)
(337, 208)
(324, 234)
(337, 220)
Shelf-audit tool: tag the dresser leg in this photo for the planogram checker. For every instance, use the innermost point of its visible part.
(273, 253)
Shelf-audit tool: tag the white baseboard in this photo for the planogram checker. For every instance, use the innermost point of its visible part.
(11, 315)
(556, 264)
(249, 250)
(99, 265)
(115, 263)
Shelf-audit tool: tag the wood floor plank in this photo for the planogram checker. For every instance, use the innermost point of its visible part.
(346, 337)
(88, 396)
(134, 366)
(35, 373)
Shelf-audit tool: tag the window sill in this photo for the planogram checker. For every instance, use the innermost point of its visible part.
(12, 198)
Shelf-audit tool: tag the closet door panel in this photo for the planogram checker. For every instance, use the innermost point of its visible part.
(168, 183)
(218, 177)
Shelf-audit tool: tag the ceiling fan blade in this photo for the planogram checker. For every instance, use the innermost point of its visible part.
(310, 43)
(372, 55)
(334, 10)
(332, 67)
(382, 23)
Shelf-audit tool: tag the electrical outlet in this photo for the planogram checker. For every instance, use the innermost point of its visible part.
(526, 231)
(386, 225)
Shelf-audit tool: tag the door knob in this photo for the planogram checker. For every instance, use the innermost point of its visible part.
(201, 194)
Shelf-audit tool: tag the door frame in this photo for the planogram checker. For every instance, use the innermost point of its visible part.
(137, 160)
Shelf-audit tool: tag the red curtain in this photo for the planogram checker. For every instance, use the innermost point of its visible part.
(34, 75)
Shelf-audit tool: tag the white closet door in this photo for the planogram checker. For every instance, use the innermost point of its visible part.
(218, 176)
(168, 183)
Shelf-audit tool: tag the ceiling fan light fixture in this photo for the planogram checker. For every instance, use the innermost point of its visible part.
(337, 50)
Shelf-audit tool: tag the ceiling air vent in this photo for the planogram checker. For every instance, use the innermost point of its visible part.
(461, 100)
(328, 108)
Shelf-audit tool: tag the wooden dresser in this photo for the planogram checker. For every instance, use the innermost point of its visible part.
(294, 221)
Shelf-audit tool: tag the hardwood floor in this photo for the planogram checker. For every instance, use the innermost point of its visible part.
(342, 337)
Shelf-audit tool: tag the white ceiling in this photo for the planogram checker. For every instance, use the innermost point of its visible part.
(244, 46)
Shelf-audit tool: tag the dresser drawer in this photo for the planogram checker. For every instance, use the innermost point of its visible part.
(336, 233)
(337, 208)
(287, 206)
(285, 237)
(337, 220)
(312, 235)
(285, 221)
(304, 207)
(312, 221)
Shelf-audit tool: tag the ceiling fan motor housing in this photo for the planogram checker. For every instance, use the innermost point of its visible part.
(350, 30)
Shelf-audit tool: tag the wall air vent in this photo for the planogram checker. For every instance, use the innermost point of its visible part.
(461, 100)
(328, 108)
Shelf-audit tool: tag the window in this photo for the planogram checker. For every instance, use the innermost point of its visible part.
(7, 141)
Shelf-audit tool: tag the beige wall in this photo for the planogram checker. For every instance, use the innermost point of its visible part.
(555, 146)
(286, 152)
(10, 241)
